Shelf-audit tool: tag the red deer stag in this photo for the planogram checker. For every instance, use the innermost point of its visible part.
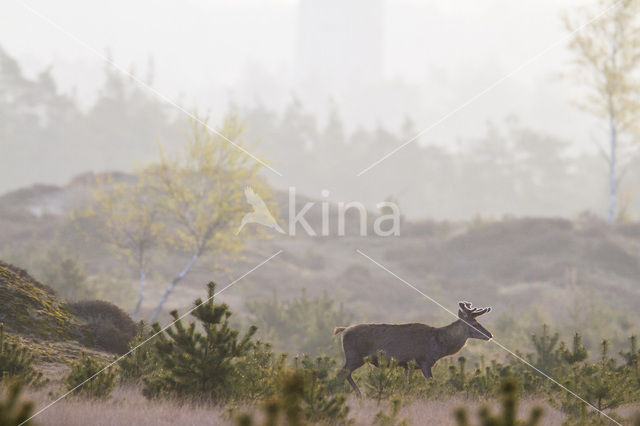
(415, 342)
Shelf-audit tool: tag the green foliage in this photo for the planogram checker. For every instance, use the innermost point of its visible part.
(16, 363)
(390, 418)
(194, 363)
(200, 192)
(259, 372)
(301, 324)
(302, 399)
(93, 381)
(508, 417)
(458, 377)
(128, 216)
(142, 361)
(321, 395)
(605, 385)
(14, 411)
(384, 381)
(631, 358)
(576, 354)
(285, 409)
(546, 356)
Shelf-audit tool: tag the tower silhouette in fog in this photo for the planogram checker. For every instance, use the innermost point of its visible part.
(339, 42)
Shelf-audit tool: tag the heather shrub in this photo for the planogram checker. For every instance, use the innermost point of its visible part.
(108, 327)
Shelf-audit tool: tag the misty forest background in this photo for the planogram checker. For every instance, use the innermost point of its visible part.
(477, 234)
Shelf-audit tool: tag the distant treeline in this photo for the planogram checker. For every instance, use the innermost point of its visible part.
(509, 170)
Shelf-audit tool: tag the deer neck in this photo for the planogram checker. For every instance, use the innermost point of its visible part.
(452, 338)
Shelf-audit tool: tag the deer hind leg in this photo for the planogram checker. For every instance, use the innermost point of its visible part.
(353, 385)
(350, 366)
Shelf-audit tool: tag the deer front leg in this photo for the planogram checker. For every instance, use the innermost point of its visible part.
(426, 369)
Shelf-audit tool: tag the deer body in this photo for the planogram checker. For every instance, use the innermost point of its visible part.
(420, 343)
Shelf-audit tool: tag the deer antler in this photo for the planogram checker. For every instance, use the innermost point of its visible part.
(467, 308)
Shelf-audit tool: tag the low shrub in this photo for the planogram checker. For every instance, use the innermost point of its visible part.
(108, 327)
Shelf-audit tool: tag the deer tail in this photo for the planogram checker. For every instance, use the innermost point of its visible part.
(338, 330)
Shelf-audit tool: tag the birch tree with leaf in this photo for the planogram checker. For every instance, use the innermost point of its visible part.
(130, 221)
(200, 194)
(607, 62)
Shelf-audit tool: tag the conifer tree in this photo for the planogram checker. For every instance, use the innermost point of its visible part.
(285, 409)
(390, 418)
(199, 363)
(578, 352)
(93, 382)
(573, 357)
(383, 381)
(631, 358)
(13, 411)
(605, 386)
(16, 362)
(142, 361)
(321, 396)
(546, 357)
(508, 417)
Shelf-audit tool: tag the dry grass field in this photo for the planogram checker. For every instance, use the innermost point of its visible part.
(128, 406)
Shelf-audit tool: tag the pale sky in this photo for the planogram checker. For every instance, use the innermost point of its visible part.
(208, 53)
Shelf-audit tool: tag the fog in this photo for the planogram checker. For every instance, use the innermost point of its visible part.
(366, 76)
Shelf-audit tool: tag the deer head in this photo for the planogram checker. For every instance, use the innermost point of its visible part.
(468, 315)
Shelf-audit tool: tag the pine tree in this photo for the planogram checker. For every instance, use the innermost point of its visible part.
(457, 376)
(508, 417)
(391, 417)
(323, 401)
(578, 352)
(142, 361)
(573, 357)
(382, 382)
(92, 381)
(546, 357)
(631, 358)
(194, 363)
(13, 411)
(605, 386)
(287, 404)
(16, 362)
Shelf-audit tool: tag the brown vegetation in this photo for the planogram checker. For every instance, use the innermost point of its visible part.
(128, 406)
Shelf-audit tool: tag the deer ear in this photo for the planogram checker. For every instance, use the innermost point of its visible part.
(461, 314)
